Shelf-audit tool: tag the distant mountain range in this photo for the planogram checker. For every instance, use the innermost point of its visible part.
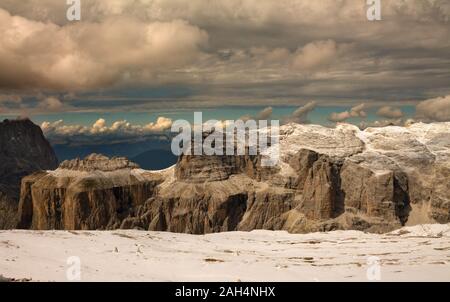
(153, 154)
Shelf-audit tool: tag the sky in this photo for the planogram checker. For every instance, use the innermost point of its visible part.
(136, 65)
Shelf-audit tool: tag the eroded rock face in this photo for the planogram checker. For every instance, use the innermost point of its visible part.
(198, 209)
(342, 178)
(89, 194)
(23, 150)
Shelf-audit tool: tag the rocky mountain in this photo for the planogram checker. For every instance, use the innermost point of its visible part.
(93, 193)
(23, 150)
(374, 180)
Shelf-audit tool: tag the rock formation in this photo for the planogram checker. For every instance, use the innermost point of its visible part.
(23, 150)
(374, 180)
(93, 193)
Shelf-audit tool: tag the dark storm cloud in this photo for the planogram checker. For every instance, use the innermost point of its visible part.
(266, 52)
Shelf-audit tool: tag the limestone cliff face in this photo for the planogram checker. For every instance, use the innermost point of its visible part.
(328, 178)
(23, 150)
(94, 193)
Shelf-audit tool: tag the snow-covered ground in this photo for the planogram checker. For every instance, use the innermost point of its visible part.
(419, 253)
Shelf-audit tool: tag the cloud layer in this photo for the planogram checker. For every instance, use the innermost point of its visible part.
(89, 55)
(437, 109)
(120, 131)
(270, 52)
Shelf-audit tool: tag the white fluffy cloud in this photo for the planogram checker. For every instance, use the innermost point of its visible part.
(87, 55)
(58, 129)
(300, 115)
(357, 111)
(390, 112)
(437, 109)
(161, 124)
